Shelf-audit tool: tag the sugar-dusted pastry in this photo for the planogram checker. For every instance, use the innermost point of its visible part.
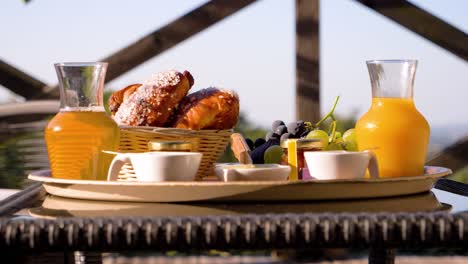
(116, 99)
(153, 102)
(209, 108)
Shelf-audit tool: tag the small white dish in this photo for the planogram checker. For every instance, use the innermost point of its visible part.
(228, 172)
(340, 164)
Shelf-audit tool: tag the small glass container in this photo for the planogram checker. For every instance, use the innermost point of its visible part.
(179, 146)
(302, 145)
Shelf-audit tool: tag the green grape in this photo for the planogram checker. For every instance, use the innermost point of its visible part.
(349, 138)
(273, 154)
(338, 138)
(349, 135)
(337, 134)
(319, 134)
(350, 146)
(334, 146)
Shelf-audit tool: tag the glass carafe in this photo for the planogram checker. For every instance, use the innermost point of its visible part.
(393, 128)
(78, 134)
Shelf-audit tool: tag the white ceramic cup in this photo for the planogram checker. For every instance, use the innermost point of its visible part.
(158, 166)
(330, 165)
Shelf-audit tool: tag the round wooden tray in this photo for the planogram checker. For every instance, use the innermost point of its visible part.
(239, 190)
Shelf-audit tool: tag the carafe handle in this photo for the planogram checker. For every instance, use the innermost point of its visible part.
(373, 166)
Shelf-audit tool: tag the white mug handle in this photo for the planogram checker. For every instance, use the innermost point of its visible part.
(373, 166)
(116, 165)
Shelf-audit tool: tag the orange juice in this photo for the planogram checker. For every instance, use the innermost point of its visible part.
(75, 140)
(397, 133)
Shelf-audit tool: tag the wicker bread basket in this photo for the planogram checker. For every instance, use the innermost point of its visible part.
(211, 143)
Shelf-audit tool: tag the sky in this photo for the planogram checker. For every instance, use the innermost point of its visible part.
(251, 52)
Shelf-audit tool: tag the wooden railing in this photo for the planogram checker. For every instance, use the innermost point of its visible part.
(21, 83)
(403, 12)
(422, 23)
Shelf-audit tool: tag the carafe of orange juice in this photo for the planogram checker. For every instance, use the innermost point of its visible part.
(393, 128)
(78, 134)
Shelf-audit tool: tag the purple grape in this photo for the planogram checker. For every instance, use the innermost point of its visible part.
(250, 143)
(300, 129)
(285, 136)
(300, 123)
(258, 154)
(276, 124)
(292, 127)
(304, 133)
(281, 130)
(259, 142)
(271, 135)
(296, 128)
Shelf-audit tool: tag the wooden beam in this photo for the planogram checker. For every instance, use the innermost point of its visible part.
(171, 34)
(454, 156)
(422, 23)
(307, 60)
(22, 83)
(138, 52)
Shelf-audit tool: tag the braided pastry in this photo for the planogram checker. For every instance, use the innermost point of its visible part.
(152, 103)
(209, 108)
(116, 99)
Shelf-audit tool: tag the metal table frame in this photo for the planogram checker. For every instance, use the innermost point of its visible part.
(381, 233)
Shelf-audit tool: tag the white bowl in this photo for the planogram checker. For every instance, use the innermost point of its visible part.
(255, 172)
(339, 164)
(158, 166)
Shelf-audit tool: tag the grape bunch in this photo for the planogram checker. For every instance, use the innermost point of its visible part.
(336, 142)
(268, 150)
(260, 147)
(282, 132)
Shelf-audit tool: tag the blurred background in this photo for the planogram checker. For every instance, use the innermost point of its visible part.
(252, 52)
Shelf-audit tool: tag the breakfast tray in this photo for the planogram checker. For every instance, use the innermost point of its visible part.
(236, 191)
(250, 229)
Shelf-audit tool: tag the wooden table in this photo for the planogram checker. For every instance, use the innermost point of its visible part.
(379, 232)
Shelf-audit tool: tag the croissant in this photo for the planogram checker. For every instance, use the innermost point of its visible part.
(116, 99)
(210, 108)
(152, 103)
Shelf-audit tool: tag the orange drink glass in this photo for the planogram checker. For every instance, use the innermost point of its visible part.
(78, 134)
(393, 128)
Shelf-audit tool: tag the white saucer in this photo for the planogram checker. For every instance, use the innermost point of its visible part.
(239, 190)
(228, 172)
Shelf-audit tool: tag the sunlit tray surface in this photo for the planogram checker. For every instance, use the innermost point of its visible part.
(54, 207)
(239, 191)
